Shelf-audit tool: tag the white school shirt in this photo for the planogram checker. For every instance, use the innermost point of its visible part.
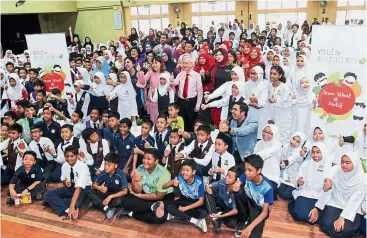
(94, 147)
(61, 148)
(227, 162)
(85, 104)
(295, 161)
(81, 174)
(5, 143)
(77, 127)
(44, 142)
(207, 158)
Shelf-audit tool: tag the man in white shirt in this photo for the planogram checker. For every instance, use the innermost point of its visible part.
(158, 49)
(295, 37)
(76, 178)
(326, 22)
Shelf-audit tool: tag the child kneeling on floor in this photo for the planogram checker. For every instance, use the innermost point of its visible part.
(109, 188)
(253, 199)
(27, 178)
(189, 196)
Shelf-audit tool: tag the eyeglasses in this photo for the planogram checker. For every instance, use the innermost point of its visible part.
(253, 73)
(268, 133)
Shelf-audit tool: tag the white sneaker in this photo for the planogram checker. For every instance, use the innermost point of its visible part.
(202, 225)
(170, 217)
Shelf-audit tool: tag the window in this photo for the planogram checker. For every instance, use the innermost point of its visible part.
(145, 24)
(275, 18)
(149, 10)
(205, 22)
(354, 17)
(279, 4)
(218, 6)
(344, 3)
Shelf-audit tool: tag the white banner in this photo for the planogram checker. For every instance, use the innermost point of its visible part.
(338, 70)
(49, 52)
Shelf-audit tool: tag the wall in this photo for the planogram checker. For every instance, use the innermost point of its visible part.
(57, 22)
(32, 6)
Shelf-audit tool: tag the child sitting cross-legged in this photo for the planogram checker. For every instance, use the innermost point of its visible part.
(27, 179)
(109, 187)
(189, 196)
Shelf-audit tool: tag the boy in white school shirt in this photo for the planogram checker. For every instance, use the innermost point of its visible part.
(67, 140)
(76, 178)
(76, 120)
(221, 160)
(46, 154)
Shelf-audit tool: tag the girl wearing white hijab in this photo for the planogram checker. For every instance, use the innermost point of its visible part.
(256, 93)
(269, 149)
(127, 97)
(268, 61)
(299, 71)
(310, 184)
(291, 55)
(341, 205)
(306, 52)
(111, 82)
(98, 91)
(291, 162)
(302, 100)
(225, 90)
(162, 94)
(14, 92)
(84, 76)
(108, 57)
(81, 99)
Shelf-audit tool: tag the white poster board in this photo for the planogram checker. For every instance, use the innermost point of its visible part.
(338, 70)
(49, 52)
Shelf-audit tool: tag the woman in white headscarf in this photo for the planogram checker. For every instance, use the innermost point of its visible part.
(310, 184)
(127, 97)
(341, 206)
(268, 61)
(108, 57)
(299, 71)
(111, 82)
(88, 49)
(14, 92)
(98, 92)
(291, 162)
(306, 52)
(237, 31)
(291, 55)
(120, 49)
(82, 74)
(225, 90)
(269, 149)
(256, 93)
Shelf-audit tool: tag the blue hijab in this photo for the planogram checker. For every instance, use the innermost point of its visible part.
(105, 68)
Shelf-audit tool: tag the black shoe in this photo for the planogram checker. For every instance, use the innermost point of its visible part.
(39, 197)
(241, 226)
(122, 213)
(10, 201)
(109, 213)
(217, 224)
(90, 205)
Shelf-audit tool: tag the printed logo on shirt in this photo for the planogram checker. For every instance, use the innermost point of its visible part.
(127, 147)
(76, 174)
(53, 131)
(33, 175)
(165, 143)
(117, 182)
(226, 162)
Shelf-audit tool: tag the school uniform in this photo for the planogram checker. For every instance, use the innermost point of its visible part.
(202, 154)
(173, 166)
(250, 201)
(163, 98)
(94, 125)
(60, 159)
(23, 179)
(110, 135)
(221, 200)
(188, 194)
(26, 124)
(62, 107)
(92, 154)
(52, 131)
(60, 198)
(162, 140)
(45, 160)
(139, 142)
(77, 127)
(151, 183)
(306, 195)
(124, 147)
(82, 100)
(14, 160)
(224, 161)
(114, 183)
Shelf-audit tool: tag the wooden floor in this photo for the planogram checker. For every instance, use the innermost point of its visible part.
(40, 222)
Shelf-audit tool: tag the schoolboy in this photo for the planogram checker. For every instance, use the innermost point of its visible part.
(68, 138)
(94, 121)
(10, 118)
(124, 145)
(143, 141)
(20, 108)
(27, 179)
(220, 200)
(50, 128)
(39, 100)
(92, 151)
(174, 120)
(16, 148)
(175, 146)
(222, 160)
(37, 86)
(161, 136)
(201, 150)
(33, 76)
(111, 132)
(189, 195)
(109, 188)
(28, 121)
(147, 197)
(191, 136)
(9, 67)
(76, 178)
(253, 199)
(45, 154)
(60, 104)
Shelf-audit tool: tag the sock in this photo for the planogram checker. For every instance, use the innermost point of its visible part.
(130, 214)
(194, 221)
(105, 208)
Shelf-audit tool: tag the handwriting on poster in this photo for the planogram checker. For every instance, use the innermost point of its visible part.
(43, 55)
(334, 56)
(337, 100)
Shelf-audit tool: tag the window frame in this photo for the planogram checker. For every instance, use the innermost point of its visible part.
(163, 10)
(198, 7)
(282, 3)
